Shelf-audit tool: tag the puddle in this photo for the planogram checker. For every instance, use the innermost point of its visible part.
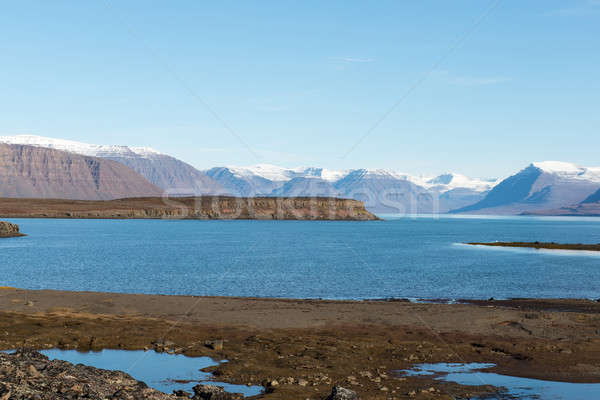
(161, 371)
(516, 388)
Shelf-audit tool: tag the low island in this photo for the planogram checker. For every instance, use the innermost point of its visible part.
(542, 245)
(9, 230)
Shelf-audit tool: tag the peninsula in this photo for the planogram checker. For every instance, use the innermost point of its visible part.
(205, 207)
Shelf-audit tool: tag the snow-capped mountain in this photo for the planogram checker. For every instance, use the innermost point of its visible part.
(269, 180)
(451, 181)
(280, 174)
(168, 173)
(541, 186)
(382, 190)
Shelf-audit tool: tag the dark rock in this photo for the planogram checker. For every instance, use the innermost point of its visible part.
(340, 393)
(211, 392)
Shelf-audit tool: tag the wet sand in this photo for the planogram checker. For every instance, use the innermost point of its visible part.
(315, 344)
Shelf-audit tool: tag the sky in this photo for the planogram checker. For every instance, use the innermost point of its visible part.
(477, 87)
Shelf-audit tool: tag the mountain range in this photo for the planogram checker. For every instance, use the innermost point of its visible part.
(538, 188)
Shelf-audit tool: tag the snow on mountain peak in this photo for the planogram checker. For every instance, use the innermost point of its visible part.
(146, 151)
(279, 174)
(86, 149)
(569, 170)
(452, 180)
(558, 167)
(441, 183)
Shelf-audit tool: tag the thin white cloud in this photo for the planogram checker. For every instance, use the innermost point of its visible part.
(478, 80)
(353, 59)
(467, 80)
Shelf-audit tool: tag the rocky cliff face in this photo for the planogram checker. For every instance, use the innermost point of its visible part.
(36, 172)
(9, 230)
(207, 207)
(162, 170)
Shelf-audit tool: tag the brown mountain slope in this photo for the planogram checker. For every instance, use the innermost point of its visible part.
(170, 174)
(27, 171)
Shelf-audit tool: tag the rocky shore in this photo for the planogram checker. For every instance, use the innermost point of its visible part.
(28, 374)
(9, 230)
(206, 207)
(300, 349)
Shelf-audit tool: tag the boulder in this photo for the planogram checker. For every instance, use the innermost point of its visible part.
(212, 392)
(9, 230)
(340, 393)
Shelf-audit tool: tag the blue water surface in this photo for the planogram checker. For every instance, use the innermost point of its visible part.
(403, 258)
(514, 387)
(161, 371)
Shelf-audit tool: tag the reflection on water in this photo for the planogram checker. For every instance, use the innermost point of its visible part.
(521, 388)
(161, 371)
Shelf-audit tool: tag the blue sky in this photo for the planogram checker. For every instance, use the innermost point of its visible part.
(495, 84)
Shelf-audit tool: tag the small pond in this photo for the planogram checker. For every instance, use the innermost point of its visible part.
(516, 388)
(161, 371)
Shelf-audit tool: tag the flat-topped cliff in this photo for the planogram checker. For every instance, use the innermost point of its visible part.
(9, 230)
(206, 207)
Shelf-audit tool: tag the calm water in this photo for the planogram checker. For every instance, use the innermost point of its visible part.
(408, 258)
(521, 388)
(161, 371)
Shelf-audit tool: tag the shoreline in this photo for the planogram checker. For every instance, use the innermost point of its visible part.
(269, 339)
(540, 245)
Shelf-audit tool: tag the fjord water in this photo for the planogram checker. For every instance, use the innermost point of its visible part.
(403, 258)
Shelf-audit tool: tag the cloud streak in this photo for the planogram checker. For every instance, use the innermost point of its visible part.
(466, 80)
(478, 81)
(353, 59)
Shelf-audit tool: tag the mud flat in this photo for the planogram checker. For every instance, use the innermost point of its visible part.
(300, 349)
(541, 245)
(206, 207)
